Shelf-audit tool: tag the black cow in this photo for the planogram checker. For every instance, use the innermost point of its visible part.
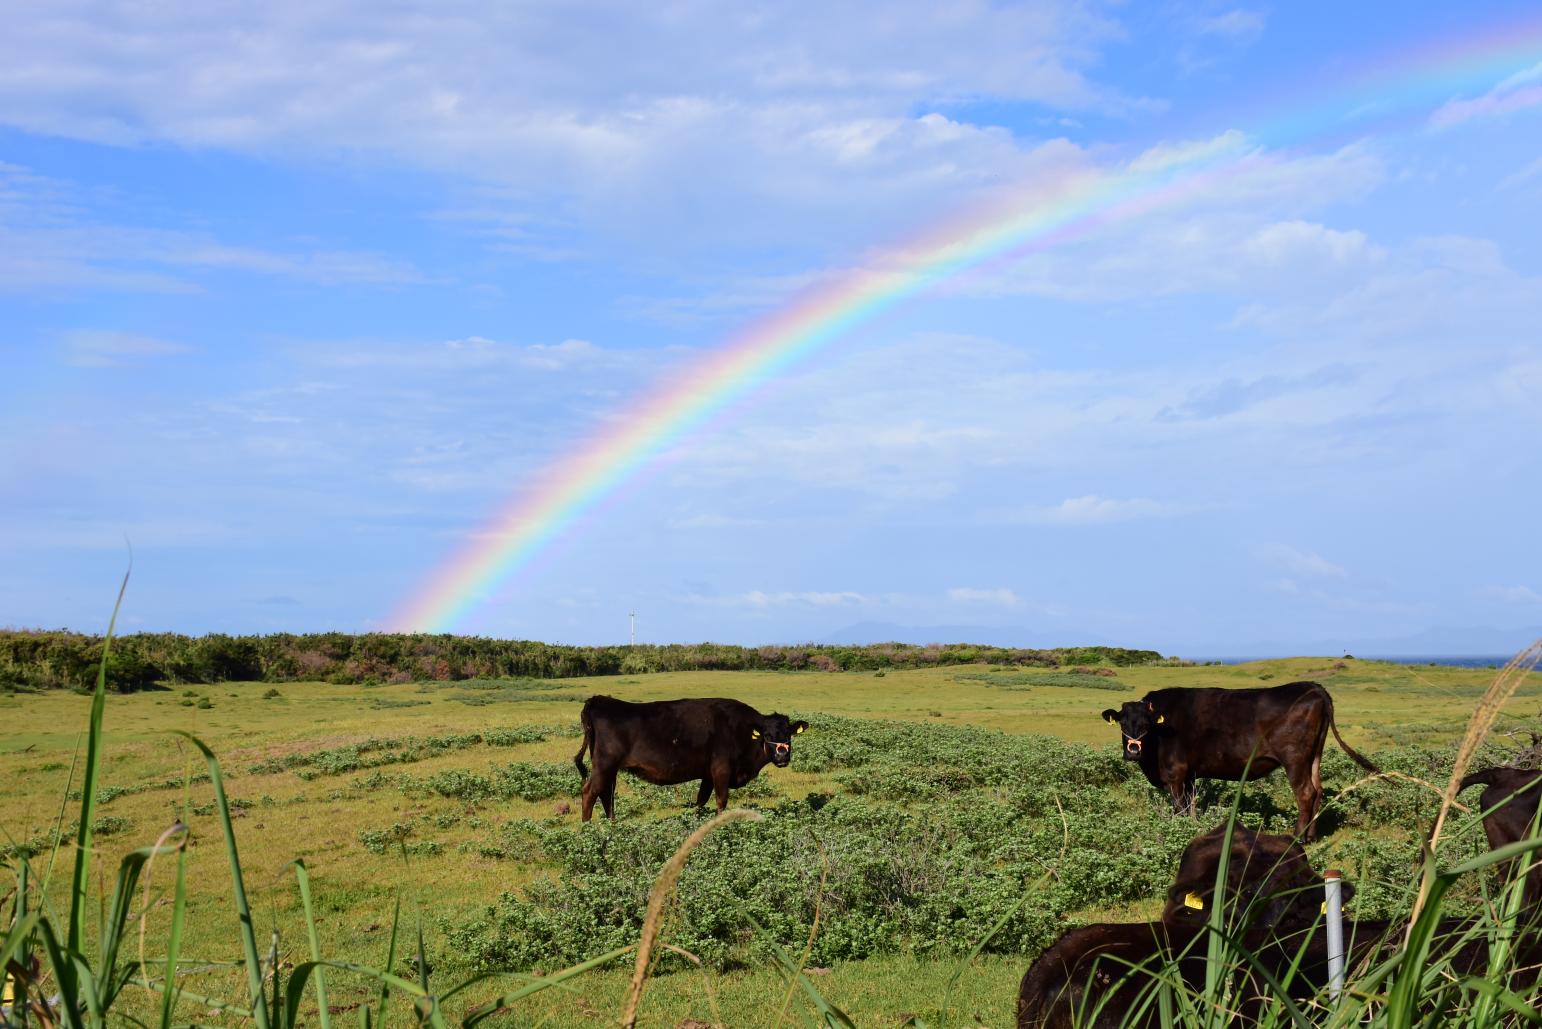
(1179, 735)
(1100, 976)
(1509, 805)
(1085, 978)
(722, 742)
(1269, 881)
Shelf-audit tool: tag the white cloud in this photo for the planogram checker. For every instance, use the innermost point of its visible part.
(1516, 93)
(761, 107)
(713, 520)
(1235, 221)
(102, 348)
(1518, 595)
(1239, 24)
(1000, 597)
(1094, 510)
(1284, 244)
(1301, 563)
(761, 600)
(54, 234)
(1522, 176)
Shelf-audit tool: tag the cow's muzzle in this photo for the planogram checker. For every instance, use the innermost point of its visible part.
(1133, 747)
(781, 754)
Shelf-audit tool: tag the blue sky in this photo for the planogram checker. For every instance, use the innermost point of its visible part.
(295, 297)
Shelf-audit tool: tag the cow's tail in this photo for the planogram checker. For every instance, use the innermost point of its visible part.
(587, 721)
(1483, 778)
(1351, 751)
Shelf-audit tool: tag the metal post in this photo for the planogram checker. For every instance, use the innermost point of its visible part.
(1334, 908)
(633, 617)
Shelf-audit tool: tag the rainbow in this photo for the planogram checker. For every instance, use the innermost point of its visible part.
(1052, 210)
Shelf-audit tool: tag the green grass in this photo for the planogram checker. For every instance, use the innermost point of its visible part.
(348, 801)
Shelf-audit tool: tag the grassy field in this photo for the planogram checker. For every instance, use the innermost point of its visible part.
(303, 793)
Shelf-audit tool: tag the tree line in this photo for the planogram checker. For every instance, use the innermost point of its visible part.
(37, 659)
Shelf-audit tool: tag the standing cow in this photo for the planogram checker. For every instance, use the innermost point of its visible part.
(1509, 805)
(1179, 735)
(722, 742)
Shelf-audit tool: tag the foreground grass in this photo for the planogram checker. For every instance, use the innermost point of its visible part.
(321, 820)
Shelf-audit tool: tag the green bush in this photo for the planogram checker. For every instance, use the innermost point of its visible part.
(66, 660)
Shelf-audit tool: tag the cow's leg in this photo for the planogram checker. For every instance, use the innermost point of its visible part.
(1175, 791)
(608, 797)
(720, 785)
(705, 792)
(591, 792)
(1308, 800)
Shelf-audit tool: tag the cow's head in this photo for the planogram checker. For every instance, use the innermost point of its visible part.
(1137, 721)
(774, 733)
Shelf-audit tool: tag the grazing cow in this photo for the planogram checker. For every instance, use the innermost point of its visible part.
(1509, 805)
(722, 742)
(1269, 881)
(1179, 735)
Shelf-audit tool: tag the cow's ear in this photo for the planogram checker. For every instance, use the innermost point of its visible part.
(754, 734)
(1110, 716)
(798, 727)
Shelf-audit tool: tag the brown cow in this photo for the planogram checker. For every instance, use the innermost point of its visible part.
(1179, 735)
(1269, 881)
(722, 742)
(1509, 805)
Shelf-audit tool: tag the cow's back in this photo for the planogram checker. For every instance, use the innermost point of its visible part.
(1221, 732)
(665, 741)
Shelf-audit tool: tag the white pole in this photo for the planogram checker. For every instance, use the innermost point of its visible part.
(1334, 887)
(633, 617)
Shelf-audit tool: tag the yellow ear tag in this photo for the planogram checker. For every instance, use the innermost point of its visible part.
(799, 730)
(754, 734)
(1161, 719)
(1194, 900)
(1324, 910)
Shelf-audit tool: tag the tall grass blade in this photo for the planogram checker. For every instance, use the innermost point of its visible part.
(813, 931)
(663, 888)
(93, 771)
(390, 962)
(1404, 994)
(238, 885)
(433, 1014)
(174, 936)
(947, 995)
(1511, 1000)
(833, 1016)
(65, 975)
(17, 941)
(108, 979)
(178, 909)
(495, 1005)
(303, 878)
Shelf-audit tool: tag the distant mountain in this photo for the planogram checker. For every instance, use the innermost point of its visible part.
(987, 635)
